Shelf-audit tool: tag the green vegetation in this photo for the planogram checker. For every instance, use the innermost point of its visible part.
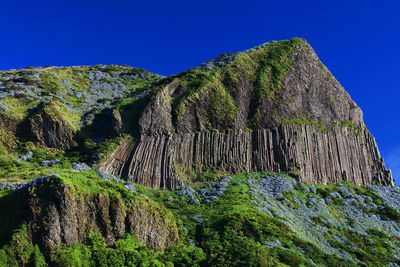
(62, 84)
(131, 110)
(13, 171)
(79, 98)
(126, 251)
(228, 231)
(353, 128)
(274, 64)
(305, 121)
(263, 69)
(20, 252)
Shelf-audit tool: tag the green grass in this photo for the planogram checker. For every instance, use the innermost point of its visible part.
(20, 252)
(52, 83)
(233, 226)
(353, 128)
(304, 121)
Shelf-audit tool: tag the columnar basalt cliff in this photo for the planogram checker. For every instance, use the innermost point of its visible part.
(272, 108)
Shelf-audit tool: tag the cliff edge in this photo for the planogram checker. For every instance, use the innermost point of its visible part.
(274, 107)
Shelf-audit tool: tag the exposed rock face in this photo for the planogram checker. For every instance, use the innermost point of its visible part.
(8, 127)
(116, 123)
(301, 150)
(300, 121)
(61, 214)
(108, 123)
(50, 131)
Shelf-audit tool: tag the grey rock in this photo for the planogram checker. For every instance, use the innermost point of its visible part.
(272, 244)
(313, 201)
(198, 219)
(3, 107)
(111, 178)
(98, 75)
(39, 180)
(350, 202)
(328, 201)
(11, 186)
(273, 146)
(306, 189)
(202, 192)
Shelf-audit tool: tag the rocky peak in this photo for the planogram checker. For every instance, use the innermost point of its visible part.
(272, 108)
(260, 88)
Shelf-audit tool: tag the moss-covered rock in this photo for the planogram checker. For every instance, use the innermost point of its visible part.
(49, 128)
(64, 213)
(65, 209)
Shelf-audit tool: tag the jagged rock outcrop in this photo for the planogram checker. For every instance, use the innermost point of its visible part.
(274, 108)
(108, 123)
(62, 214)
(116, 123)
(8, 127)
(50, 130)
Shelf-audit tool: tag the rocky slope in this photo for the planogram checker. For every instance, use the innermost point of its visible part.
(272, 108)
(58, 107)
(255, 219)
(65, 208)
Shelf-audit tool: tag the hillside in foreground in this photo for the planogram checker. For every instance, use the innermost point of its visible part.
(253, 219)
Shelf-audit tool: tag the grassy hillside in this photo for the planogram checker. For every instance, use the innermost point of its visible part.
(252, 219)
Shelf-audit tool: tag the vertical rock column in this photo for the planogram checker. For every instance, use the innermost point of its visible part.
(304, 151)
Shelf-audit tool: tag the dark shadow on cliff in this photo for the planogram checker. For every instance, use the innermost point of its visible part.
(15, 212)
(108, 124)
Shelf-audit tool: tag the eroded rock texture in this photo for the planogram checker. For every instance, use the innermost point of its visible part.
(49, 130)
(63, 215)
(303, 151)
(305, 124)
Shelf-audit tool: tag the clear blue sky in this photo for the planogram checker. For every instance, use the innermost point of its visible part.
(357, 40)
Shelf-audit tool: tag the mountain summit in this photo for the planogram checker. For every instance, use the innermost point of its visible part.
(274, 107)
